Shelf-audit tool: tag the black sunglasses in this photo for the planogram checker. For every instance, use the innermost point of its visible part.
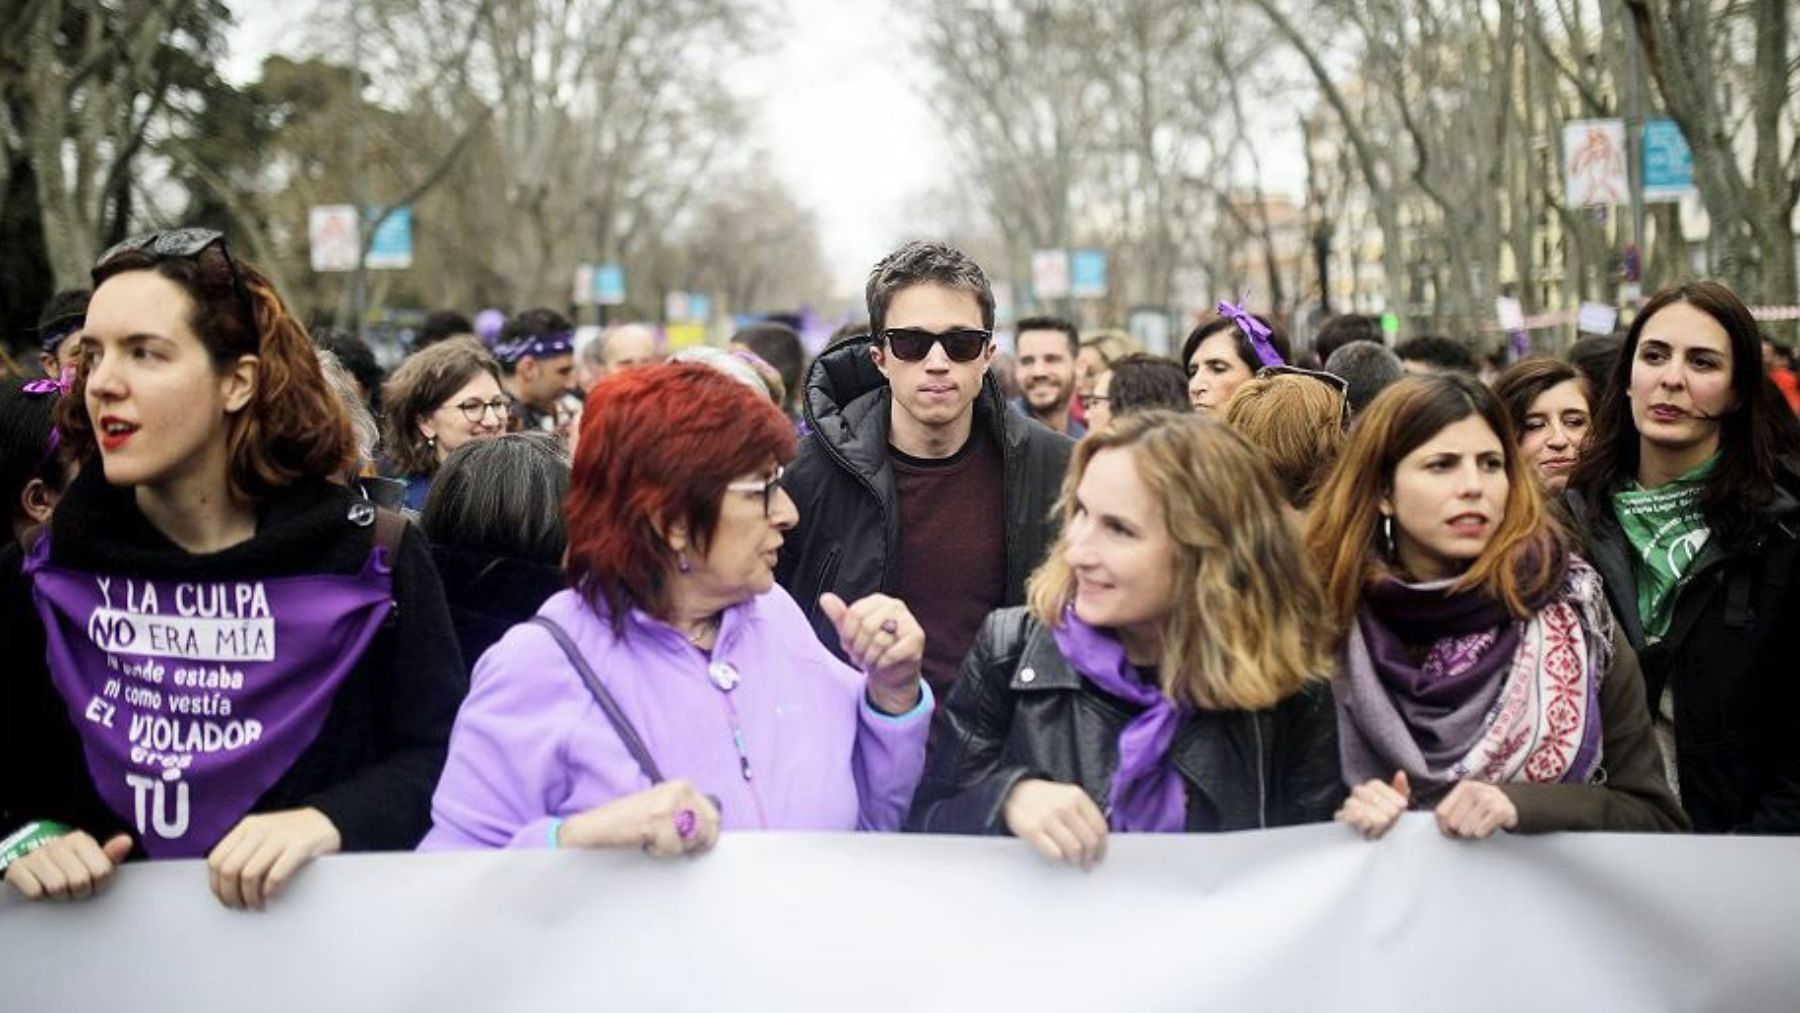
(910, 344)
(1332, 380)
(186, 243)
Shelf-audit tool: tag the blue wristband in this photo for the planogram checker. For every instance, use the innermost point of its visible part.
(555, 826)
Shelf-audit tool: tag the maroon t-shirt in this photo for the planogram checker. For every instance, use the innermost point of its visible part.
(952, 549)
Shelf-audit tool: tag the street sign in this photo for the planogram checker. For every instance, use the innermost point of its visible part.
(391, 248)
(584, 285)
(1087, 274)
(609, 284)
(332, 237)
(1668, 161)
(1594, 166)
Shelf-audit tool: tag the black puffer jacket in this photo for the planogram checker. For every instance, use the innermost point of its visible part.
(1730, 658)
(1019, 711)
(843, 484)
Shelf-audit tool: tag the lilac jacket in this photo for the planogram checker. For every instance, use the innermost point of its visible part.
(531, 745)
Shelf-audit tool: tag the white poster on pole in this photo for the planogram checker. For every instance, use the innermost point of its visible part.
(332, 237)
(1595, 169)
(1597, 318)
(1050, 274)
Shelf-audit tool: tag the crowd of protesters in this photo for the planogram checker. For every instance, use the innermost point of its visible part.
(262, 603)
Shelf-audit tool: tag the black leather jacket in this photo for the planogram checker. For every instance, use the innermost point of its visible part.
(1019, 711)
(1729, 657)
(843, 484)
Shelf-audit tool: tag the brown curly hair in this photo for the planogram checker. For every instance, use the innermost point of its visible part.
(294, 427)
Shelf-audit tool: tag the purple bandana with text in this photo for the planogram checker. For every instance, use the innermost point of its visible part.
(192, 698)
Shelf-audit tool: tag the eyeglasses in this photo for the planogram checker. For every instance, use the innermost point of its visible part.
(475, 409)
(766, 487)
(963, 344)
(1088, 401)
(1332, 380)
(187, 243)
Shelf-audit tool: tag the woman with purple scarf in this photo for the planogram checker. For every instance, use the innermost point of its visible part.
(1170, 671)
(1481, 674)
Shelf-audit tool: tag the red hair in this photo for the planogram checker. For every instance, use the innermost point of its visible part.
(658, 446)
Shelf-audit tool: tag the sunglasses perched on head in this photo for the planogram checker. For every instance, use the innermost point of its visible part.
(962, 344)
(1332, 380)
(183, 244)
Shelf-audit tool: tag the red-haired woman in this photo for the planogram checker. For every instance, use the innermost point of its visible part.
(675, 652)
(244, 661)
(1482, 675)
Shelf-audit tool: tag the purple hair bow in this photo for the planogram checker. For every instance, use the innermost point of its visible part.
(59, 386)
(1254, 329)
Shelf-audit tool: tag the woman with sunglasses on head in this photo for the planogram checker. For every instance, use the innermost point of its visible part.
(1228, 350)
(675, 654)
(440, 398)
(1689, 499)
(1481, 675)
(242, 660)
(1169, 673)
(1296, 418)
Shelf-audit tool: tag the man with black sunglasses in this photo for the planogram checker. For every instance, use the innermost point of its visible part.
(917, 480)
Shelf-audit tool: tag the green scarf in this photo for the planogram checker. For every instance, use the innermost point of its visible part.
(1666, 530)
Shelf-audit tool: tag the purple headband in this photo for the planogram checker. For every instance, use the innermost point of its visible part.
(54, 335)
(1254, 329)
(535, 346)
(57, 387)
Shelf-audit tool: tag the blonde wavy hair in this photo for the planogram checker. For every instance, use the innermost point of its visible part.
(1248, 628)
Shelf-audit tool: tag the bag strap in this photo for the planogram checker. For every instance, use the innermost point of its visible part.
(608, 705)
(390, 528)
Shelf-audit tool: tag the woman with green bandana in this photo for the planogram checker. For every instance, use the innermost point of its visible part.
(1690, 504)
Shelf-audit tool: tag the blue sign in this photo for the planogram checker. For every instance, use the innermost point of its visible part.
(391, 246)
(699, 307)
(1087, 274)
(1668, 161)
(609, 284)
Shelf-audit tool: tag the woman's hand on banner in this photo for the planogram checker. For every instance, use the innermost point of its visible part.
(71, 867)
(260, 855)
(1059, 820)
(671, 819)
(1375, 806)
(1476, 809)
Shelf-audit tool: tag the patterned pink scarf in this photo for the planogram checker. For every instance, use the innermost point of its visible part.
(1532, 716)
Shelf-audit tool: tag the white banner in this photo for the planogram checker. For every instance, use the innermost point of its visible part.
(1304, 919)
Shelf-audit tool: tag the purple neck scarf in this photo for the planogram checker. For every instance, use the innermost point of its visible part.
(192, 698)
(1147, 793)
(1449, 687)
